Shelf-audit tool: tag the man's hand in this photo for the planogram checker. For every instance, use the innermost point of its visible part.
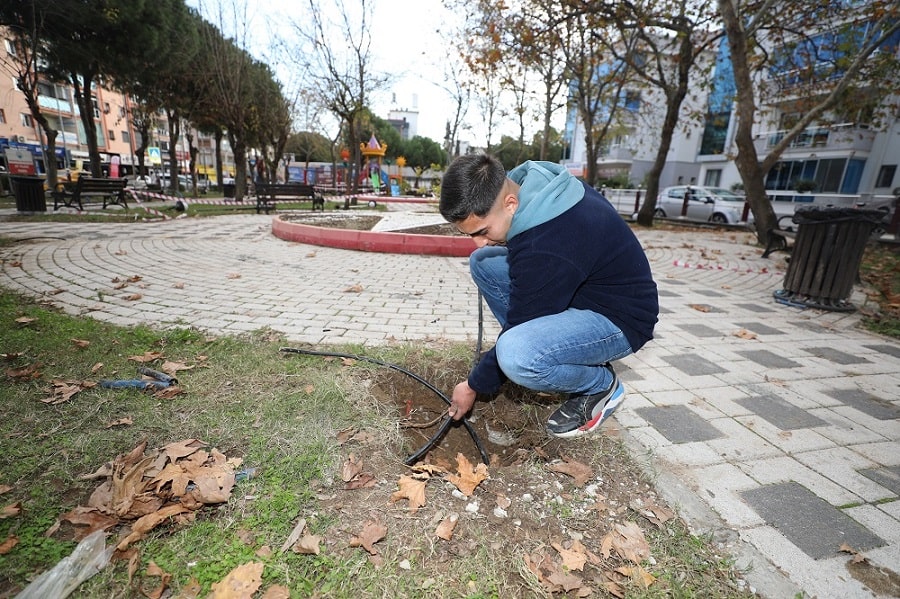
(462, 401)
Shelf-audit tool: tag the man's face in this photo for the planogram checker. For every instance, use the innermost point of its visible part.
(491, 229)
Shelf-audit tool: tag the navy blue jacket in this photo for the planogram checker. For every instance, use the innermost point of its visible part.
(587, 258)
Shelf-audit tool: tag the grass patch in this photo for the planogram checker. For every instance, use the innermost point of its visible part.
(880, 270)
(281, 413)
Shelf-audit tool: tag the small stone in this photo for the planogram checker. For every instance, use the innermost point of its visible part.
(405, 565)
(473, 507)
(500, 512)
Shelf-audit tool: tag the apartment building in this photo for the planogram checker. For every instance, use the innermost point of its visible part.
(117, 139)
(849, 155)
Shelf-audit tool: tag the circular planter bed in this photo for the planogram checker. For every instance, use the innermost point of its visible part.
(354, 233)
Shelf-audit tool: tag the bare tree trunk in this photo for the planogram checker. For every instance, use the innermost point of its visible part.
(747, 161)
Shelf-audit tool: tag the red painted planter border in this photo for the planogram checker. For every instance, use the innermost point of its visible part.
(373, 241)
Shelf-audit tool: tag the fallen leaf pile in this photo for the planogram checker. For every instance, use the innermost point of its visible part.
(558, 573)
(145, 489)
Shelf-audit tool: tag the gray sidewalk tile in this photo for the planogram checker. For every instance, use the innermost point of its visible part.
(891, 350)
(769, 359)
(679, 424)
(701, 330)
(809, 522)
(834, 355)
(759, 328)
(889, 478)
(693, 364)
(867, 403)
(780, 413)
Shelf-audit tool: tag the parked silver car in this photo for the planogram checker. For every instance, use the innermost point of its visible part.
(712, 204)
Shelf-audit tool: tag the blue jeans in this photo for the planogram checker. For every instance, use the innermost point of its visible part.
(559, 353)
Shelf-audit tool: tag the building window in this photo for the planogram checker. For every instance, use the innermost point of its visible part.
(713, 177)
(27, 120)
(112, 135)
(121, 112)
(886, 175)
(10, 47)
(125, 137)
(2, 116)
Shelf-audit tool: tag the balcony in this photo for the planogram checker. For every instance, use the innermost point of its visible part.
(844, 137)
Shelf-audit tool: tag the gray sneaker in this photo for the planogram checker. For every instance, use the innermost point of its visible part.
(582, 414)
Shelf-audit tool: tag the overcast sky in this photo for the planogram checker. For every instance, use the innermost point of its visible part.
(406, 44)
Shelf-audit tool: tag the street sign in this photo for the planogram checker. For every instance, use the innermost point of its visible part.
(20, 161)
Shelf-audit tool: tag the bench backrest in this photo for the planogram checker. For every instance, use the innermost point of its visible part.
(93, 184)
(285, 189)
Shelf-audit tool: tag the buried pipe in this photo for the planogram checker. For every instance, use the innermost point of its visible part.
(412, 459)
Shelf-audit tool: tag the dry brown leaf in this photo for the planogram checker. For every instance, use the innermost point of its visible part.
(700, 307)
(96, 367)
(147, 523)
(26, 373)
(126, 421)
(572, 559)
(7, 545)
(469, 476)
(132, 297)
(173, 368)
(637, 574)
(5, 489)
(445, 528)
(564, 581)
(412, 489)
(80, 343)
(581, 473)
(351, 468)
(429, 469)
(164, 579)
(276, 592)
(234, 275)
(372, 532)
(168, 392)
(308, 545)
(90, 518)
(63, 391)
(134, 278)
(13, 509)
(240, 583)
(628, 541)
(342, 436)
(745, 334)
(16, 263)
(148, 356)
(25, 320)
(354, 289)
(364, 480)
(12, 356)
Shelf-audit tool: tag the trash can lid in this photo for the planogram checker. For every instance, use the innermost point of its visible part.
(818, 214)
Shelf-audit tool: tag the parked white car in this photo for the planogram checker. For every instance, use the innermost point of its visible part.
(708, 204)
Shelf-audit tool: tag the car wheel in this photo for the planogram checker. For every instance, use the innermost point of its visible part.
(719, 219)
(659, 212)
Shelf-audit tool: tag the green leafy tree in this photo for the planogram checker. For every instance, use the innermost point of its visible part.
(93, 40)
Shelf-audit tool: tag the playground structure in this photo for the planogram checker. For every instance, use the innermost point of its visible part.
(373, 155)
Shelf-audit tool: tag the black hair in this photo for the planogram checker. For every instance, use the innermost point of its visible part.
(471, 186)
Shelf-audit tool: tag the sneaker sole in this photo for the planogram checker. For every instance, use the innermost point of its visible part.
(591, 425)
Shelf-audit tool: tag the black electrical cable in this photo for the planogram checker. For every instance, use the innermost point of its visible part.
(447, 421)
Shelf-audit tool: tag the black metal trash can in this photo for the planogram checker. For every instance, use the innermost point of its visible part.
(826, 257)
(228, 190)
(29, 193)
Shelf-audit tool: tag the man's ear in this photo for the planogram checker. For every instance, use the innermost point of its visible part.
(511, 202)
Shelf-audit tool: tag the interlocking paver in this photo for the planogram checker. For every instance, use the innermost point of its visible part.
(802, 421)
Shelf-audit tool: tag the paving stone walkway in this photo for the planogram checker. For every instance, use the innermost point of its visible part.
(774, 428)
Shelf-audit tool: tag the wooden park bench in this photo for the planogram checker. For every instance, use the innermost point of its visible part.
(779, 238)
(268, 193)
(111, 190)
